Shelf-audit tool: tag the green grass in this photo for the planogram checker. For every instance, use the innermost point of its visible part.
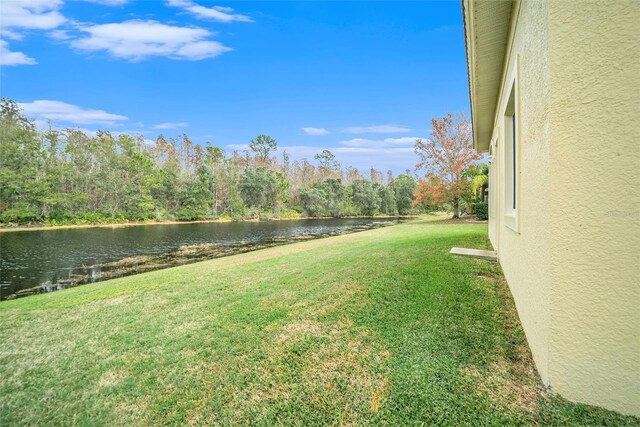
(379, 327)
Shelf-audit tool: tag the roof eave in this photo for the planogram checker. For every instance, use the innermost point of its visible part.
(486, 31)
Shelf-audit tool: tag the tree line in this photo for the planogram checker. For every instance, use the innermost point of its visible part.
(62, 177)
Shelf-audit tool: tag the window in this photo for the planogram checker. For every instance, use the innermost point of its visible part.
(511, 159)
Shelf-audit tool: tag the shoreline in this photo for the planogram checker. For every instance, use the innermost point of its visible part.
(185, 254)
(42, 227)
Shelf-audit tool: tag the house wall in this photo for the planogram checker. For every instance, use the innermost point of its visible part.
(595, 222)
(524, 253)
(572, 260)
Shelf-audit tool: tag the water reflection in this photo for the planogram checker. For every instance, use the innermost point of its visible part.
(48, 260)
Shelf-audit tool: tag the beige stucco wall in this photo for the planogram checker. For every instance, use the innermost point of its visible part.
(573, 264)
(595, 221)
(525, 254)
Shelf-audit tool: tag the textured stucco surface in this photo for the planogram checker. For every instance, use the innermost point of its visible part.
(573, 265)
(595, 221)
(525, 255)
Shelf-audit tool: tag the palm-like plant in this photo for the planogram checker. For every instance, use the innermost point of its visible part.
(479, 179)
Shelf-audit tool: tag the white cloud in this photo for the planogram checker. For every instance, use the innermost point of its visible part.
(397, 159)
(8, 34)
(43, 126)
(405, 140)
(201, 50)
(32, 14)
(315, 131)
(377, 129)
(394, 158)
(92, 133)
(59, 35)
(380, 143)
(57, 111)
(357, 142)
(109, 2)
(136, 40)
(242, 147)
(217, 13)
(8, 57)
(26, 15)
(171, 125)
(396, 154)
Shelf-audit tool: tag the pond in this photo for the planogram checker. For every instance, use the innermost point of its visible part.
(48, 260)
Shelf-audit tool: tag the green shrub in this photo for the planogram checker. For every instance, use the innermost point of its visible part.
(252, 213)
(481, 210)
(288, 213)
(347, 209)
(19, 215)
(190, 214)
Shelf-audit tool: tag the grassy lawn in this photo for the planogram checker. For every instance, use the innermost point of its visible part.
(379, 327)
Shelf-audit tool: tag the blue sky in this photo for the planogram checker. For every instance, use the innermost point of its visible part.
(362, 79)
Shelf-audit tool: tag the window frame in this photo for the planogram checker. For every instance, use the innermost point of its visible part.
(511, 142)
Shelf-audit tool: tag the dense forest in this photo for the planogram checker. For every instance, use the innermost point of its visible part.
(67, 177)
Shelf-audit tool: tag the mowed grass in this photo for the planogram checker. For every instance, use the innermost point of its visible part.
(374, 328)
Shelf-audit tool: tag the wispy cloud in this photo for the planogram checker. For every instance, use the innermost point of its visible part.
(396, 159)
(26, 15)
(46, 125)
(405, 140)
(109, 2)
(389, 157)
(171, 125)
(58, 111)
(137, 40)
(8, 57)
(357, 142)
(10, 34)
(216, 13)
(60, 35)
(377, 129)
(242, 147)
(315, 131)
(380, 143)
(94, 132)
(32, 14)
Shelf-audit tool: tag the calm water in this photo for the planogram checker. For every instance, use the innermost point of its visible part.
(43, 261)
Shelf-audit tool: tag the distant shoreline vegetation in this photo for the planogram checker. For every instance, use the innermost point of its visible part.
(59, 178)
(48, 226)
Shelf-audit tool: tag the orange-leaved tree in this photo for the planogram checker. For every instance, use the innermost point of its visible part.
(444, 157)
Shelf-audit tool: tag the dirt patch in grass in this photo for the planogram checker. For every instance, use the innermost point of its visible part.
(300, 330)
(186, 327)
(498, 383)
(331, 367)
(376, 399)
(112, 378)
(132, 413)
(121, 299)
